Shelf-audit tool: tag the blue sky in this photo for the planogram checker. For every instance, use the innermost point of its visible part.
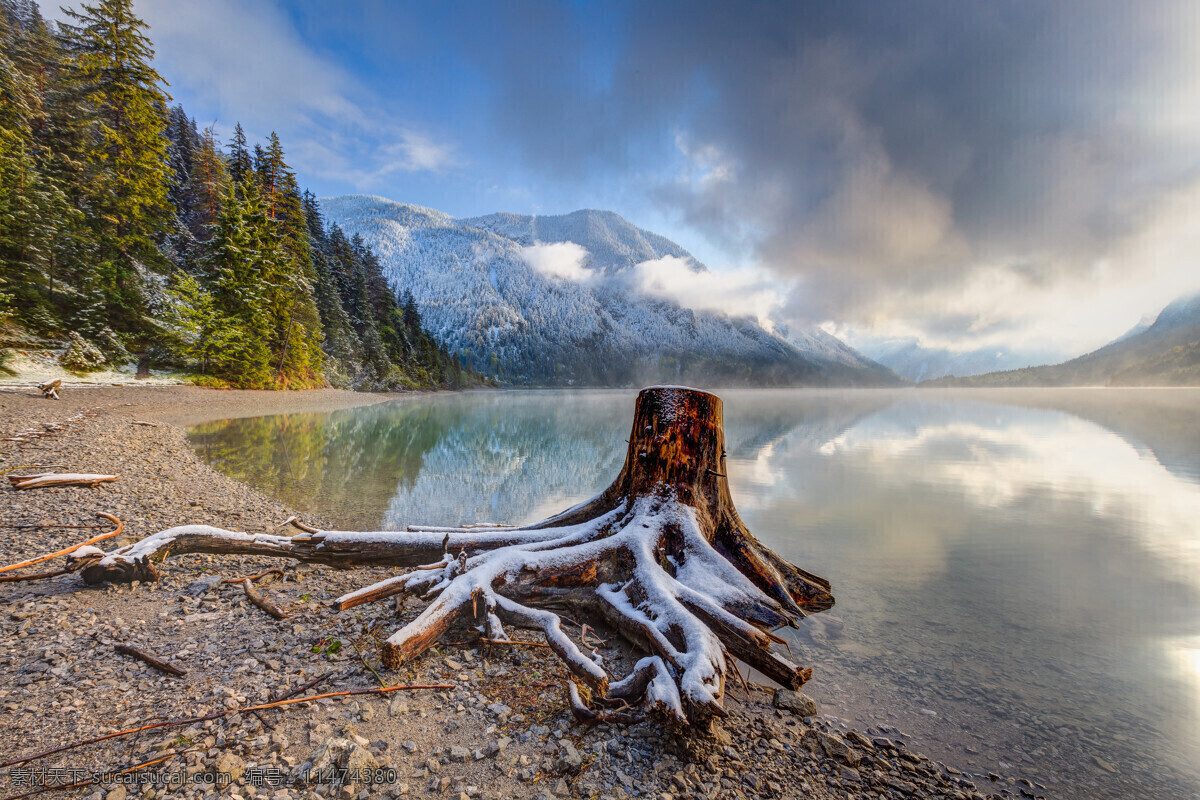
(1013, 175)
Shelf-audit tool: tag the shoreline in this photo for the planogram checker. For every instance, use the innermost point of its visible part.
(500, 733)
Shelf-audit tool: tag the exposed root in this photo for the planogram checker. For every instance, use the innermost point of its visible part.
(660, 556)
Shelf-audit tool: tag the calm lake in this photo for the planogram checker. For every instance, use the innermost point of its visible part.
(1017, 573)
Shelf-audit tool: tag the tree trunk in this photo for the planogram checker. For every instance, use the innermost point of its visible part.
(660, 555)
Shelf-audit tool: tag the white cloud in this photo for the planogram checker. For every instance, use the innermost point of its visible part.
(558, 260)
(736, 293)
(1069, 312)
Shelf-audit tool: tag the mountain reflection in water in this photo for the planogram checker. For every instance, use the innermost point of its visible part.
(1017, 573)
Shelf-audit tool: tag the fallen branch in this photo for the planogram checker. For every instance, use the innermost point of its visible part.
(263, 574)
(59, 479)
(72, 548)
(296, 523)
(129, 650)
(175, 723)
(261, 601)
(37, 576)
(49, 389)
(304, 687)
(147, 424)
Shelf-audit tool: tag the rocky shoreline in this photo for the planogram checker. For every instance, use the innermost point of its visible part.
(504, 730)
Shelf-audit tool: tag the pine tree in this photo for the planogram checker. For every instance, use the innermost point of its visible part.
(238, 259)
(210, 180)
(240, 165)
(299, 351)
(182, 243)
(35, 217)
(126, 169)
(341, 345)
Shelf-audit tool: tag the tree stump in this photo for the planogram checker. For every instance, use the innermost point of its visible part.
(660, 555)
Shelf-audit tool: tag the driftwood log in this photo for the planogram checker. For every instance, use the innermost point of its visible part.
(661, 556)
(45, 479)
(49, 389)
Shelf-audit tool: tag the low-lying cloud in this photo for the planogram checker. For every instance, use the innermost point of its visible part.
(739, 293)
(563, 260)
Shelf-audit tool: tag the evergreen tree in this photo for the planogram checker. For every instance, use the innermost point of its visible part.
(182, 243)
(299, 351)
(35, 217)
(240, 165)
(100, 181)
(239, 259)
(126, 168)
(341, 345)
(210, 180)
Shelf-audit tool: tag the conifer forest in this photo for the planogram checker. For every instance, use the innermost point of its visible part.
(134, 235)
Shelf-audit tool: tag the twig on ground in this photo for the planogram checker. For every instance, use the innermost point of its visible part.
(261, 601)
(216, 715)
(363, 660)
(263, 574)
(130, 650)
(296, 523)
(120, 527)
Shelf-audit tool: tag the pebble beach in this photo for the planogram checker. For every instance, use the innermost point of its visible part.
(498, 726)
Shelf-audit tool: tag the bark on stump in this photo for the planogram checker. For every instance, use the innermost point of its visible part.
(661, 555)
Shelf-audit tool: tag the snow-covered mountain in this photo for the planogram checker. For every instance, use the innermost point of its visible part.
(549, 301)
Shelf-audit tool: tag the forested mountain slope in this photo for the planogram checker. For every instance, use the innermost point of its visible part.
(579, 321)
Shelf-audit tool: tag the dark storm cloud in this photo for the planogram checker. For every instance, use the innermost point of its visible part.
(869, 146)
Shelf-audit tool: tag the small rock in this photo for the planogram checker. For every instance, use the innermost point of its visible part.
(116, 794)
(796, 702)
(203, 585)
(359, 761)
(460, 754)
(228, 768)
(397, 707)
(568, 759)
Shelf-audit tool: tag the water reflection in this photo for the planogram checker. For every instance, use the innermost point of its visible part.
(1018, 575)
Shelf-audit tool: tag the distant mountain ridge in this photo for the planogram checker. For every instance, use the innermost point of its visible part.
(917, 362)
(480, 295)
(1166, 353)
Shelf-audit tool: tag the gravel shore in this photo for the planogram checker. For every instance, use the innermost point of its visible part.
(503, 730)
